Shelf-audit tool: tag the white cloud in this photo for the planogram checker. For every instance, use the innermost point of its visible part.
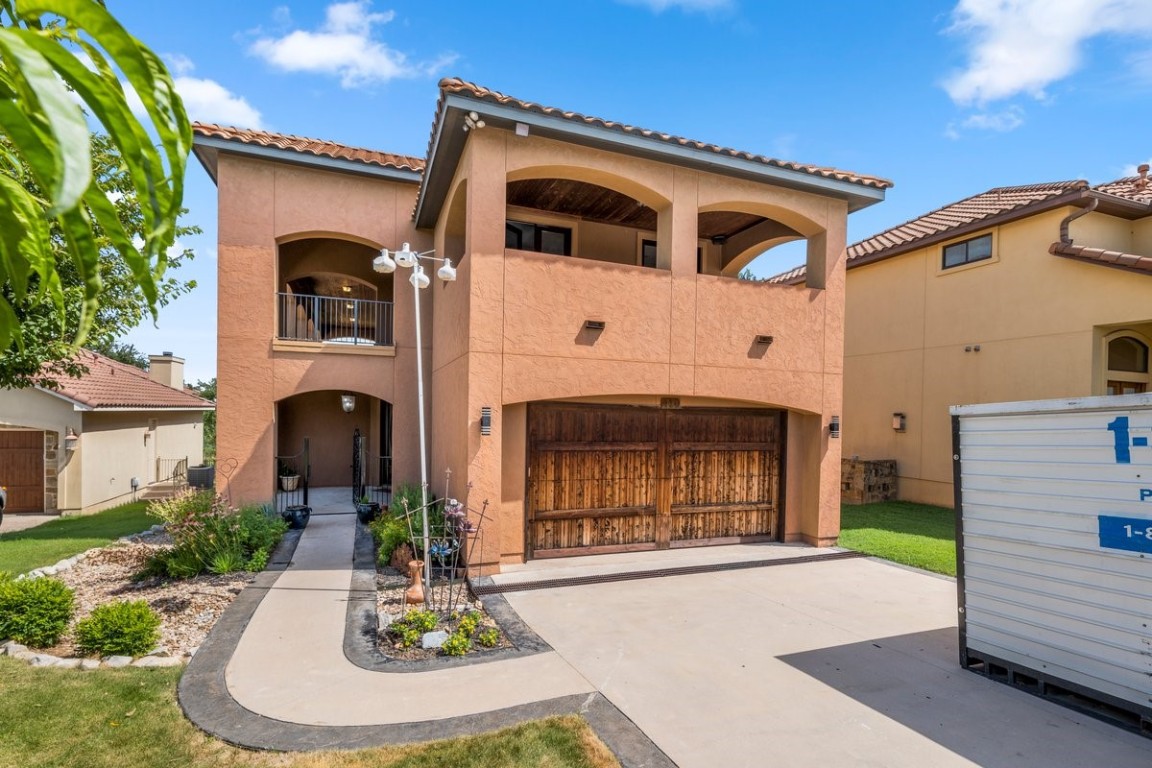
(344, 45)
(1006, 120)
(659, 6)
(205, 100)
(208, 101)
(1022, 46)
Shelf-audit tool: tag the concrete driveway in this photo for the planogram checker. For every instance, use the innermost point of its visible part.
(834, 663)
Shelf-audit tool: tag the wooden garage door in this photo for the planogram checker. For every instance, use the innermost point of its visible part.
(22, 470)
(620, 478)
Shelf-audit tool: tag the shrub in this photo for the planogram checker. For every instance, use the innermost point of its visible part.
(425, 621)
(406, 636)
(125, 628)
(457, 644)
(489, 638)
(406, 502)
(469, 623)
(34, 612)
(208, 535)
(389, 534)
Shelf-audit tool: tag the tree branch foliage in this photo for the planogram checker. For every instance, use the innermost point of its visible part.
(78, 216)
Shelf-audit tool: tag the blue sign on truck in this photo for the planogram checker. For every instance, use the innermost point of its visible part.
(1131, 533)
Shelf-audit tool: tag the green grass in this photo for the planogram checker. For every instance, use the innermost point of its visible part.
(913, 534)
(21, 551)
(128, 718)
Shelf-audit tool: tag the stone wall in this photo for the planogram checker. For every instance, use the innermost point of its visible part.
(865, 482)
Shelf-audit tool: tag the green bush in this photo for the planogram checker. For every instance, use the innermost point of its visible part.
(389, 533)
(469, 623)
(406, 502)
(425, 621)
(457, 644)
(34, 612)
(208, 535)
(489, 638)
(126, 628)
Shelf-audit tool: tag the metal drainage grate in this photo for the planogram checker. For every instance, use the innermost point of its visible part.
(685, 570)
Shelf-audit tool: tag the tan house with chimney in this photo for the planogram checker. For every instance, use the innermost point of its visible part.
(596, 372)
(1018, 293)
(99, 440)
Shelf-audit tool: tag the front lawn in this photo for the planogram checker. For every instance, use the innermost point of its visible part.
(47, 544)
(913, 534)
(128, 718)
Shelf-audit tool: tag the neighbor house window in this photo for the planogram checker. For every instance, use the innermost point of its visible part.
(968, 251)
(525, 236)
(1127, 366)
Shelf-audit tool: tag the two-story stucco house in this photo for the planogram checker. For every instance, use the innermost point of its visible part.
(1018, 293)
(596, 373)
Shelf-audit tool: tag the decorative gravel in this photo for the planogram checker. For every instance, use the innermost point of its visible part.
(188, 608)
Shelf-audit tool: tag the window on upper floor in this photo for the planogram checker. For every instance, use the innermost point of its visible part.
(540, 238)
(967, 251)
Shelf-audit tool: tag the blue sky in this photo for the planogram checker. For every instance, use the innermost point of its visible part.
(947, 98)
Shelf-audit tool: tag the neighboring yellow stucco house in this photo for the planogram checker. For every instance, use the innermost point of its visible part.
(596, 373)
(1018, 293)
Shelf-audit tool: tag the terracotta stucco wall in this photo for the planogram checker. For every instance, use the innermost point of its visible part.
(1035, 317)
(263, 204)
(669, 331)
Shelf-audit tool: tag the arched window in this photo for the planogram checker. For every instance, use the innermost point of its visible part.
(1127, 365)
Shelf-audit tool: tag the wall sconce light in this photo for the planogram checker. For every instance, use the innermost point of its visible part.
(765, 339)
(899, 423)
(834, 427)
(594, 325)
(71, 440)
(348, 403)
(486, 420)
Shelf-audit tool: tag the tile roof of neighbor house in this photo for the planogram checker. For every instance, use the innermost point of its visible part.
(456, 85)
(112, 384)
(316, 147)
(1001, 201)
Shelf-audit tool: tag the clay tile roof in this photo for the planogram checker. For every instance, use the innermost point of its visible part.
(938, 223)
(1130, 261)
(112, 384)
(456, 85)
(316, 147)
(1131, 188)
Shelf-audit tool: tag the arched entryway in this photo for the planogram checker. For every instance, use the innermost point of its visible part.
(324, 419)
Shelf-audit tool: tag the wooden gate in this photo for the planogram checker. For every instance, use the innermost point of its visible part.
(621, 478)
(22, 469)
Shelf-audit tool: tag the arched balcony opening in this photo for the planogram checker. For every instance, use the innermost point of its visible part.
(329, 293)
(731, 240)
(581, 219)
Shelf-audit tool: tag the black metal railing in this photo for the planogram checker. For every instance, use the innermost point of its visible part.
(334, 320)
(292, 475)
(371, 475)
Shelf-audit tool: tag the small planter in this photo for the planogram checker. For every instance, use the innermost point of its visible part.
(367, 511)
(296, 516)
(289, 482)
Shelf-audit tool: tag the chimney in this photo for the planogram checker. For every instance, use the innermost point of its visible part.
(1142, 182)
(166, 369)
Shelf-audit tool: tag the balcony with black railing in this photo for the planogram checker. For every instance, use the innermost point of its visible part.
(334, 320)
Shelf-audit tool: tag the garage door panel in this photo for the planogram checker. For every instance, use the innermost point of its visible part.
(22, 469)
(613, 478)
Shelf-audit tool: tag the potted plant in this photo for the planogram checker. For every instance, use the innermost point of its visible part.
(289, 478)
(367, 510)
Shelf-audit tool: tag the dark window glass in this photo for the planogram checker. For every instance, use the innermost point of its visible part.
(648, 253)
(976, 249)
(1127, 354)
(524, 236)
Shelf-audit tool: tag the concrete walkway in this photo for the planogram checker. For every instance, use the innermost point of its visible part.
(22, 521)
(840, 663)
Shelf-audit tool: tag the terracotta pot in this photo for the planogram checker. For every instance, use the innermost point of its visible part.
(415, 592)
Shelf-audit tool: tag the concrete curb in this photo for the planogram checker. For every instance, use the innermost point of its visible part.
(205, 700)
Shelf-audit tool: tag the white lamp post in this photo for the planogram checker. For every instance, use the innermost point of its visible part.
(385, 264)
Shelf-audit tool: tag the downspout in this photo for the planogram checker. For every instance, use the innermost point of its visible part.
(1065, 240)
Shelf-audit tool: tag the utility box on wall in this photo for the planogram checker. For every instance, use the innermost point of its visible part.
(1054, 549)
